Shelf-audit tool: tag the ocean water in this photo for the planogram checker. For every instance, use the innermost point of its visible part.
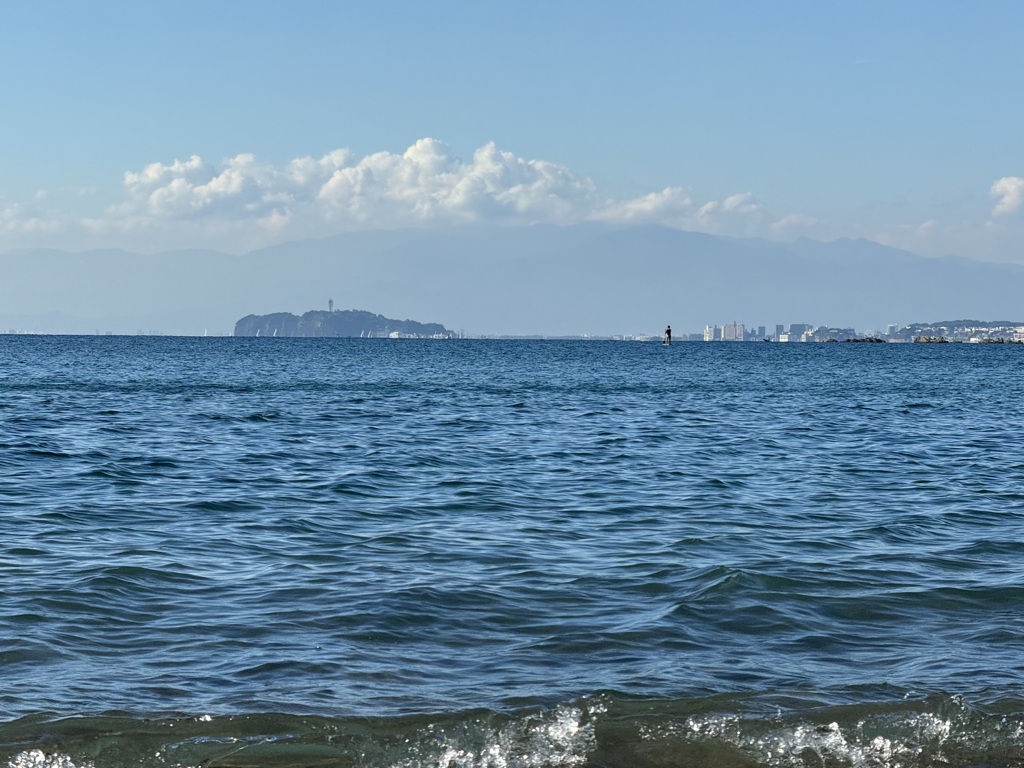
(458, 554)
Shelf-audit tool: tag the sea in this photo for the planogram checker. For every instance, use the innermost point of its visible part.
(396, 553)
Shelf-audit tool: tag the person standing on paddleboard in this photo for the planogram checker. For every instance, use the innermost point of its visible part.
(668, 334)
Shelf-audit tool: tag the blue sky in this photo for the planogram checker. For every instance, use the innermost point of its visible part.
(232, 125)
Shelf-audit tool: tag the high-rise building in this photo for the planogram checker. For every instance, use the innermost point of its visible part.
(732, 331)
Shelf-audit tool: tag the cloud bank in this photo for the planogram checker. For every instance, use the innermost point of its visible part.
(244, 203)
(427, 185)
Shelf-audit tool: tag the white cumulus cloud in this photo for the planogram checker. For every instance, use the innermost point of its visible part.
(1009, 195)
(16, 220)
(243, 203)
(243, 187)
(428, 183)
(739, 214)
(794, 223)
(671, 205)
(425, 184)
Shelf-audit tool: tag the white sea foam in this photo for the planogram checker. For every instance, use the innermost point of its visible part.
(560, 738)
(878, 741)
(36, 758)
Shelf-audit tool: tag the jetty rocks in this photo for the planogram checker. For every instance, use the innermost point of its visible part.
(343, 323)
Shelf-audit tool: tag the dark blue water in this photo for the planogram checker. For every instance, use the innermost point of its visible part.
(228, 552)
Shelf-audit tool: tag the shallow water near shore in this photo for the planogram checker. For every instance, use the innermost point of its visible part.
(391, 552)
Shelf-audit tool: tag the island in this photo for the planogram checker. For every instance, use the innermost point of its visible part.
(344, 323)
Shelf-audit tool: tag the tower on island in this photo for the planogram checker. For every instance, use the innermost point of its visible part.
(330, 305)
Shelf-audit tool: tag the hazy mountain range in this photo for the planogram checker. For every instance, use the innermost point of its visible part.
(584, 279)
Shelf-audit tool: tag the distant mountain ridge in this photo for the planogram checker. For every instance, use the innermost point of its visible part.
(344, 323)
(544, 280)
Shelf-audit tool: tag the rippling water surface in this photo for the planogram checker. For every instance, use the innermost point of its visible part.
(469, 553)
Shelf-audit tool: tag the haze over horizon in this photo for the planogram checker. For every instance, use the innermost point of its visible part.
(236, 127)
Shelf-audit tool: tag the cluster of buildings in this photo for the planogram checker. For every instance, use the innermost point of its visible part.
(969, 331)
(796, 332)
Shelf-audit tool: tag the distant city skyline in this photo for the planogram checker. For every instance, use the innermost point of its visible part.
(962, 330)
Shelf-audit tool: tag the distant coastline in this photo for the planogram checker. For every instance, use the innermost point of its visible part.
(363, 324)
(551, 282)
(968, 331)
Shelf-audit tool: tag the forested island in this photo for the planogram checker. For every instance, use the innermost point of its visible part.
(344, 323)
